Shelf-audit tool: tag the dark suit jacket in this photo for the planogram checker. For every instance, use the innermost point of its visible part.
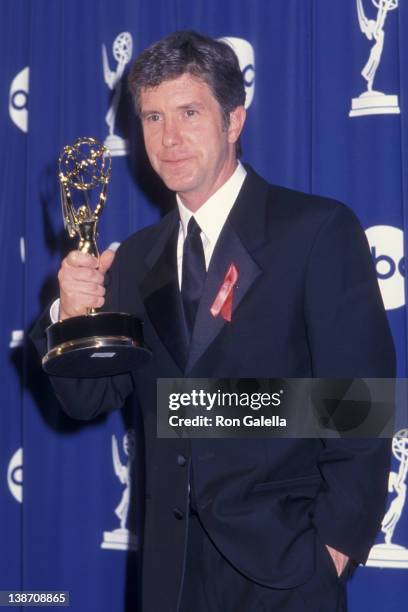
(307, 305)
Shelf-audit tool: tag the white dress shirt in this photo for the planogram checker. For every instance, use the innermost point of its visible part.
(211, 217)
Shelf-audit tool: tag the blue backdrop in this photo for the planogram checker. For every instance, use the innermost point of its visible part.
(315, 123)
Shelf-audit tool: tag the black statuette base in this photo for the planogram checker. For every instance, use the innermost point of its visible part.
(98, 344)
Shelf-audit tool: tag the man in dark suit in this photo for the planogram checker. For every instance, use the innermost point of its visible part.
(237, 524)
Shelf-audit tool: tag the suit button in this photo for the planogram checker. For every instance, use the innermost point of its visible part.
(181, 460)
(178, 514)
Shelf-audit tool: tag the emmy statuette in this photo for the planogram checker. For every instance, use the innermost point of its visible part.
(97, 343)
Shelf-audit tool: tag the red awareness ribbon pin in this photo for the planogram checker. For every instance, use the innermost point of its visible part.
(222, 304)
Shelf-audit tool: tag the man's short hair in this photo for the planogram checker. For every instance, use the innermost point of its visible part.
(213, 61)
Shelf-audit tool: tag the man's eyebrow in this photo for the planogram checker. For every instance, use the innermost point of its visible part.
(193, 103)
(184, 106)
(145, 113)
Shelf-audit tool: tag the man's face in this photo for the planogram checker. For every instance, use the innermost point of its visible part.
(186, 141)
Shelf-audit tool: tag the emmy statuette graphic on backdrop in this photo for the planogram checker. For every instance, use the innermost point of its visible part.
(122, 538)
(389, 554)
(122, 52)
(372, 102)
(97, 343)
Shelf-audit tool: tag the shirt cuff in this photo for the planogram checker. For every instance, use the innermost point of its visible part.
(54, 311)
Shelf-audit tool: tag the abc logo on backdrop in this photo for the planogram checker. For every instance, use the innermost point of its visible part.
(18, 99)
(387, 250)
(15, 475)
(246, 58)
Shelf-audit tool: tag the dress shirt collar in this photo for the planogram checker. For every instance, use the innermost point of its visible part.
(212, 215)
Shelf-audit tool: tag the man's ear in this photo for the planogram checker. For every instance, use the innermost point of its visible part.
(236, 123)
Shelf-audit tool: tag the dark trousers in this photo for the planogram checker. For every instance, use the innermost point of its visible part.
(212, 584)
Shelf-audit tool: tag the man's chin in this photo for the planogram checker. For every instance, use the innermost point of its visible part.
(177, 185)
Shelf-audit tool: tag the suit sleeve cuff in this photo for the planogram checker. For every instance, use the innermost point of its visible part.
(54, 311)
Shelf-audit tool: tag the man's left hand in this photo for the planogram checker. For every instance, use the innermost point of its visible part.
(340, 561)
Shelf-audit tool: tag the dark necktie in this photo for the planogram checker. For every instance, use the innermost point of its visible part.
(193, 273)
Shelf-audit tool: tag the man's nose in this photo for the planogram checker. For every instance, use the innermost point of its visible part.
(171, 133)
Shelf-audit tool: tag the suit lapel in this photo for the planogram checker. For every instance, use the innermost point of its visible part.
(161, 295)
(206, 328)
(242, 235)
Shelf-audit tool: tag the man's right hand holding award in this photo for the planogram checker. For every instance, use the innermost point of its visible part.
(81, 282)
